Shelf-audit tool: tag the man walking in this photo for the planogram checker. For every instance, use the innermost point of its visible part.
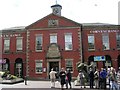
(52, 78)
(91, 77)
(103, 75)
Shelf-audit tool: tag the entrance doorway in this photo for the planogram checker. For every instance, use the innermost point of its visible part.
(55, 66)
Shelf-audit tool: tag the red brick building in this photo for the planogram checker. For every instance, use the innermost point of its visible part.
(13, 50)
(55, 42)
(101, 40)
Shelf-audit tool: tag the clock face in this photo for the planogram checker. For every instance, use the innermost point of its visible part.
(55, 10)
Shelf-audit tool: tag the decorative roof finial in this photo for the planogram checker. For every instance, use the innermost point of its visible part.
(56, 1)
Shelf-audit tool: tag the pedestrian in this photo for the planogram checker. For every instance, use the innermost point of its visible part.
(113, 80)
(108, 76)
(91, 78)
(62, 76)
(96, 78)
(103, 75)
(25, 80)
(82, 78)
(52, 77)
(118, 75)
(68, 78)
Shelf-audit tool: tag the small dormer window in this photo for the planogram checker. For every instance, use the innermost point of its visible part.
(52, 22)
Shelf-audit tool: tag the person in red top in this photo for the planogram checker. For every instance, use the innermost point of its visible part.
(68, 78)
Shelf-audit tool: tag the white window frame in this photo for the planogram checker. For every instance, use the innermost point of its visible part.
(39, 66)
(91, 39)
(6, 45)
(118, 40)
(66, 60)
(41, 36)
(68, 41)
(53, 38)
(19, 43)
(105, 41)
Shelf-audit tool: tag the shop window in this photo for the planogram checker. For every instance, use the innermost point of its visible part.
(5, 64)
(19, 67)
(5, 67)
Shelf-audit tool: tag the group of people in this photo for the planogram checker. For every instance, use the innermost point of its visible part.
(100, 78)
(97, 78)
(65, 77)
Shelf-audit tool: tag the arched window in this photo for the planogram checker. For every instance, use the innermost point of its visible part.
(6, 65)
(108, 62)
(19, 67)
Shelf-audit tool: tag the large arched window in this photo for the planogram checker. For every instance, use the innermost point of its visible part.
(108, 62)
(19, 67)
(6, 65)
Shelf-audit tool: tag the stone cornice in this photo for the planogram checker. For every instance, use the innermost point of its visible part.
(105, 27)
(54, 28)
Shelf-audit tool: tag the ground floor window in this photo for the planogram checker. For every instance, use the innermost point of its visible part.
(38, 66)
(5, 67)
(69, 64)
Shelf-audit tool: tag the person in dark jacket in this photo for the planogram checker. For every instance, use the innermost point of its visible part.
(62, 76)
(91, 77)
(68, 78)
(103, 75)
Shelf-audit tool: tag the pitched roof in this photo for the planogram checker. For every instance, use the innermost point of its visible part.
(50, 16)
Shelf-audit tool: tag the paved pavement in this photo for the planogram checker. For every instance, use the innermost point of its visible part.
(37, 85)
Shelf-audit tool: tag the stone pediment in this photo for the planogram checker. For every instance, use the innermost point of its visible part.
(53, 21)
(53, 52)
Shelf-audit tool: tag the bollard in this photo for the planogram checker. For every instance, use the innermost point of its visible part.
(25, 79)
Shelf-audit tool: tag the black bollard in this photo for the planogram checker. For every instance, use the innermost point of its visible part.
(25, 79)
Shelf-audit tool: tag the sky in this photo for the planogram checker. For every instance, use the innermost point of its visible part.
(25, 12)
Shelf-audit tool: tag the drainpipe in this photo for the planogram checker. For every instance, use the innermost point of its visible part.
(81, 43)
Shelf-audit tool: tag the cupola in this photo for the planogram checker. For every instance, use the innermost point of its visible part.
(56, 9)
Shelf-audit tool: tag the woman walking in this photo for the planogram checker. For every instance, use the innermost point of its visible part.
(68, 78)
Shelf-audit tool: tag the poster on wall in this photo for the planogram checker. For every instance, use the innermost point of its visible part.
(99, 58)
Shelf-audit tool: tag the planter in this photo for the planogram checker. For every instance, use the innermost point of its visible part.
(13, 81)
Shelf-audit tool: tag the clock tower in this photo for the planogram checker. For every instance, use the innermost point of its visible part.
(56, 9)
